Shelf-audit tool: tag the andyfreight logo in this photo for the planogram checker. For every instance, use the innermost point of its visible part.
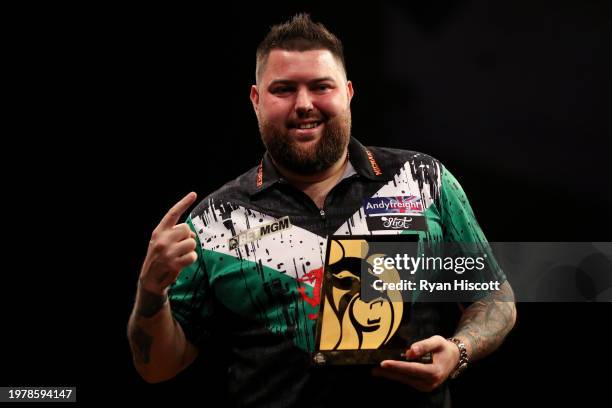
(256, 233)
(393, 205)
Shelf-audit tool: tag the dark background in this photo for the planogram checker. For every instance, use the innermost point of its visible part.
(117, 112)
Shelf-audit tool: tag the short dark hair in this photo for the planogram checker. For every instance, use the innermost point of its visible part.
(298, 34)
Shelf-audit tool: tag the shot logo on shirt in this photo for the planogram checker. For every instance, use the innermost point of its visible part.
(253, 234)
(396, 222)
(393, 205)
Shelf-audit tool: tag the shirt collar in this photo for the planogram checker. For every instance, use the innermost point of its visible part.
(362, 161)
(365, 162)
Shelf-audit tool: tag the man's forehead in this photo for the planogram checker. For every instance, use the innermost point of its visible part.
(301, 65)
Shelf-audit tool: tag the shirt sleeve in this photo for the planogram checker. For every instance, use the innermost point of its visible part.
(191, 298)
(463, 234)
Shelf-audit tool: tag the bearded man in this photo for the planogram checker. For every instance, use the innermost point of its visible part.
(247, 264)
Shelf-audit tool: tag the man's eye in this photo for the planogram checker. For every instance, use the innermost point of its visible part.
(322, 87)
(281, 90)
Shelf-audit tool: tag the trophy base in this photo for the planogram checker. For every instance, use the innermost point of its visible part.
(363, 357)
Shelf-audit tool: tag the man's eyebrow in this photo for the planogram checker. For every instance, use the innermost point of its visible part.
(290, 82)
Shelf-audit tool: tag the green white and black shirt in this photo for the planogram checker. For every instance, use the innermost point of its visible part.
(257, 279)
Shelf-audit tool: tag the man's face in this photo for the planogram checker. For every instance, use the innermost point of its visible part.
(302, 103)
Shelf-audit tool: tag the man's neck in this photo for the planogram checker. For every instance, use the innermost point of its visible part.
(319, 184)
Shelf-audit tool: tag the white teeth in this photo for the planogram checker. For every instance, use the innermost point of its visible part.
(308, 125)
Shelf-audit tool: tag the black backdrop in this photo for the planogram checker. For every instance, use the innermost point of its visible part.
(119, 112)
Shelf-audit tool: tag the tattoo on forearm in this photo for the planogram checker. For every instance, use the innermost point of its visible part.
(141, 345)
(486, 323)
(149, 303)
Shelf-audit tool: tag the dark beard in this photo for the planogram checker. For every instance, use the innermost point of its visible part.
(322, 156)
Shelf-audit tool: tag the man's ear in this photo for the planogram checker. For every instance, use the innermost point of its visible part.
(349, 91)
(255, 98)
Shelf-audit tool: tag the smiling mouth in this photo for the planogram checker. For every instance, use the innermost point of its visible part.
(306, 126)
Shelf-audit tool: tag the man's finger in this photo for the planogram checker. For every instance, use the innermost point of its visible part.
(428, 345)
(418, 370)
(187, 259)
(182, 248)
(172, 216)
(179, 232)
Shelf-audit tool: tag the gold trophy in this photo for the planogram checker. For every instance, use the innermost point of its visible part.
(350, 329)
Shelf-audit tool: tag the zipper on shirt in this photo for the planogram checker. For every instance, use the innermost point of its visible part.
(324, 219)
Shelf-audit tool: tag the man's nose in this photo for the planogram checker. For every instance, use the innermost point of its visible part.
(303, 103)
